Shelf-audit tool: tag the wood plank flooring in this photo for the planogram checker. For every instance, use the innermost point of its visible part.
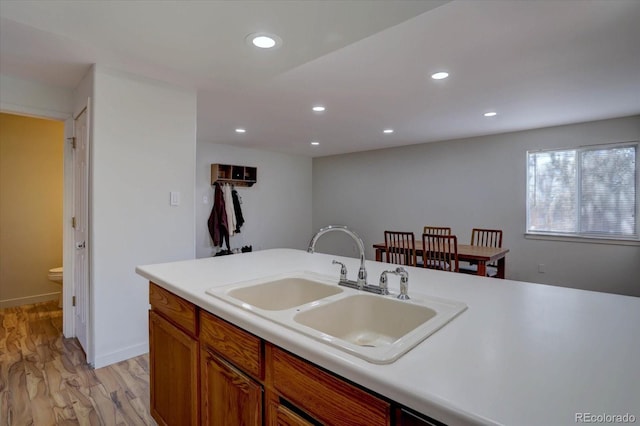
(44, 379)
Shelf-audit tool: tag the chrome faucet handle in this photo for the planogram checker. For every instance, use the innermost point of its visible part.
(404, 283)
(383, 283)
(343, 270)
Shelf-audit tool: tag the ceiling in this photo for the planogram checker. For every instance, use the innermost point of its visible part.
(536, 63)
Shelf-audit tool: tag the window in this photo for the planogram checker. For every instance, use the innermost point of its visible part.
(586, 192)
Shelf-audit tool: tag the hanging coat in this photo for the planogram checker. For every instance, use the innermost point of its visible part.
(231, 216)
(237, 210)
(218, 226)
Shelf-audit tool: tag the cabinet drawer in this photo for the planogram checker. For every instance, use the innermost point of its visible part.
(175, 308)
(324, 396)
(282, 416)
(242, 349)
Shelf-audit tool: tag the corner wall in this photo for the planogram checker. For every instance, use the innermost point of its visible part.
(466, 183)
(277, 209)
(143, 147)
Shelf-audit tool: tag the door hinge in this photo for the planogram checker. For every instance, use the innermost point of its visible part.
(73, 301)
(73, 142)
(73, 222)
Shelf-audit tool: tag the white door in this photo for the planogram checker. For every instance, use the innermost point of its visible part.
(81, 215)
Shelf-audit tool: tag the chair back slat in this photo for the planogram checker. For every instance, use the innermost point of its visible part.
(400, 247)
(440, 252)
(486, 237)
(437, 230)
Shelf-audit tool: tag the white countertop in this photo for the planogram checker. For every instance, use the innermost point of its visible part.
(521, 354)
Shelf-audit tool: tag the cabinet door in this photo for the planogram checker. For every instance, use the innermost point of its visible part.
(229, 397)
(173, 358)
(279, 415)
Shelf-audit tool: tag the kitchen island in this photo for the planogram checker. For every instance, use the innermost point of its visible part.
(521, 353)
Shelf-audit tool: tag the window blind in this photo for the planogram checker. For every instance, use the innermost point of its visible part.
(586, 191)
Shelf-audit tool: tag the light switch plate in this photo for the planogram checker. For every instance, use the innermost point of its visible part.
(174, 198)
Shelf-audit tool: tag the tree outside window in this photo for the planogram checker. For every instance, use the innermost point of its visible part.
(588, 191)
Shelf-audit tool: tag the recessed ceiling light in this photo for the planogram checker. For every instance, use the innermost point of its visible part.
(315, 143)
(490, 114)
(318, 108)
(387, 131)
(440, 75)
(264, 40)
(240, 130)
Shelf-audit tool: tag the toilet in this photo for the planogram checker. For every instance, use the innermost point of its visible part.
(55, 275)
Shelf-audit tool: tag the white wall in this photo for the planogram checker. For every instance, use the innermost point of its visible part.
(476, 182)
(32, 98)
(277, 209)
(143, 147)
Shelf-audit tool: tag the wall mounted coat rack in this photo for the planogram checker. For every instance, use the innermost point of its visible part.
(236, 175)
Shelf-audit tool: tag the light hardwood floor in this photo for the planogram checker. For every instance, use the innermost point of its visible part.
(44, 379)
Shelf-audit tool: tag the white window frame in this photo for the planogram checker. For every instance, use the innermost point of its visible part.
(581, 236)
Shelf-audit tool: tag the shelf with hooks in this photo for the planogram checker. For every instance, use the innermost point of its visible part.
(236, 175)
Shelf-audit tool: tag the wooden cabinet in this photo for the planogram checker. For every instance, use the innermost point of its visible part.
(242, 349)
(237, 175)
(324, 396)
(173, 359)
(174, 308)
(229, 358)
(207, 371)
(280, 415)
(229, 397)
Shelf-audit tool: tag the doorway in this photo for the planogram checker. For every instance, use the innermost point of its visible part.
(74, 308)
(31, 209)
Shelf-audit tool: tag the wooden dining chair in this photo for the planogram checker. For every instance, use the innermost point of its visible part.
(485, 238)
(400, 247)
(437, 230)
(440, 252)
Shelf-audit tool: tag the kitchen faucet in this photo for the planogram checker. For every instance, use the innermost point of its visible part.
(361, 283)
(362, 272)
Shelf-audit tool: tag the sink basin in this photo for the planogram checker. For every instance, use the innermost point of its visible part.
(266, 296)
(366, 320)
(284, 293)
(378, 329)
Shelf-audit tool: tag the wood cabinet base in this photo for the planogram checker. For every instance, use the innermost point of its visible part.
(173, 362)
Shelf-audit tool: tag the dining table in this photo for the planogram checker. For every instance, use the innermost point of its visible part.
(481, 255)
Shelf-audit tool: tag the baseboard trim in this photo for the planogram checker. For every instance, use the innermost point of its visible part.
(29, 300)
(120, 355)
